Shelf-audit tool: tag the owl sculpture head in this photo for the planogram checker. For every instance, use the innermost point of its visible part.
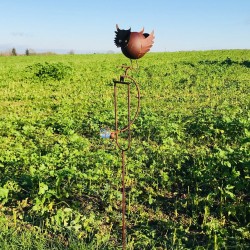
(134, 45)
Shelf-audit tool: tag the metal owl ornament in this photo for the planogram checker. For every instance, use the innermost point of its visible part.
(134, 45)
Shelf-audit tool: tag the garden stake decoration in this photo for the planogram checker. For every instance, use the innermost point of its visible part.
(134, 45)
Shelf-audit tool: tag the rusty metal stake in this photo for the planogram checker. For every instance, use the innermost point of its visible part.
(127, 128)
(123, 202)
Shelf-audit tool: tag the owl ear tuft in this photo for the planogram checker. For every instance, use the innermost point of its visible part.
(141, 32)
(117, 27)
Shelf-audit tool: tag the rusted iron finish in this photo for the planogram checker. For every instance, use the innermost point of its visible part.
(134, 45)
(127, 81)
(131, 81)
(115, 134)
(127, 128)
(123, 202)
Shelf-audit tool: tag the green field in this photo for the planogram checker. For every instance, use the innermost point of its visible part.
(188, 168)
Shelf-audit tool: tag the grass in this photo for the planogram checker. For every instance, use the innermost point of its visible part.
(188, 168)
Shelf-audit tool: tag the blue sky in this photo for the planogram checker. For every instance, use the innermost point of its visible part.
(88, 26)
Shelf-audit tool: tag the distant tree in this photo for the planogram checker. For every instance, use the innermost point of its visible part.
(27, 52)
(72, 52)
(13, 52)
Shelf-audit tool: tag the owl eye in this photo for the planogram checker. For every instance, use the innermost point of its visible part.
(120, 41)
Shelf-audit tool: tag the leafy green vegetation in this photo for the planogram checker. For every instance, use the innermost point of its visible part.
(188, 168)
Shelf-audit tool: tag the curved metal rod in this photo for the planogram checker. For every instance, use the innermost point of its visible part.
(116, 117)
(130, 121)
(138, 106)
(115, 135)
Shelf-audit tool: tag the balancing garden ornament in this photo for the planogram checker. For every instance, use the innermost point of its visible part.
(134, 45)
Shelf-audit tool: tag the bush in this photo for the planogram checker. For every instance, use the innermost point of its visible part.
(50, 71)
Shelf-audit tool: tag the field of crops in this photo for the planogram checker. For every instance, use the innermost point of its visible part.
(188, 167)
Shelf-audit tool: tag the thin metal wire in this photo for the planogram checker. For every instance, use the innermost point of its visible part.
(115, 102)
(129, 122)
(117, 131)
